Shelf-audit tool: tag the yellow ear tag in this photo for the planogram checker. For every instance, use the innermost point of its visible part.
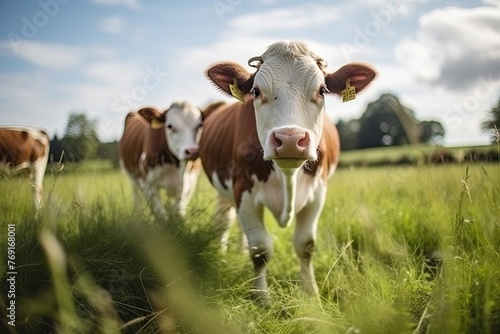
(156, 124)
(236, 92)
(349, 92)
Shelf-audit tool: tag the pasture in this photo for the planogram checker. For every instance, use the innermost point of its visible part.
(408, 249)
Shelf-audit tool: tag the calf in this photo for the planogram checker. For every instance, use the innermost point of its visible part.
(277, 149)
(25, 148)
(160, 150)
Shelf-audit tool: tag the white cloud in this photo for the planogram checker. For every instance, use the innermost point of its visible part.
(10, 83)
(133, 4)
(117, 73)
(268, 2)
(103, 52)
(45, 55)
(454, 46)
(400, 7)
(422, 61)
(27, 99)
(112, 25)
(491, 2)
(285, 18)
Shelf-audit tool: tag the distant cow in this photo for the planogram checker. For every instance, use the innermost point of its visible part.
(25, 148)
(159, 150)
(277, 150)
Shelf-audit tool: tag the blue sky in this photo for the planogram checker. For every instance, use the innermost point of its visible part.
(106, 57)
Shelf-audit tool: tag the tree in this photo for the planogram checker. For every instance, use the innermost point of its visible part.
(80, 138)
(109, 151)
(348, 134)
(431, 132)
(387, 122)
(494, 120)
(56, 149)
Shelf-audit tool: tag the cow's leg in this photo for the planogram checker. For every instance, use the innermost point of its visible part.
(152, 195)
(189, 179)
(224, 218)
(143, 191)
(39, 167)
(305, 238)
(134, 182)
(260, 244)
(137, 194)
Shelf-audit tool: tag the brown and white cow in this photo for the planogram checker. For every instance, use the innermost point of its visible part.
(277, 150)
(25, 148)
(160, 150)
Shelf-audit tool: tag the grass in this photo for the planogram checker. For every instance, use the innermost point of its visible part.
(400, 250)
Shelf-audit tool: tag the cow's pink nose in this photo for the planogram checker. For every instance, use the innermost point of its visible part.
(191, 153)
(290, 143)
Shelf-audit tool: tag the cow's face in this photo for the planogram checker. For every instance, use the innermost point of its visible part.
(288, 90)
(289, 100)
(183, 123)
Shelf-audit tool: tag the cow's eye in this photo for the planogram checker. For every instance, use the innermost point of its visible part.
(255, 92)
(171, 128)
(323, 91)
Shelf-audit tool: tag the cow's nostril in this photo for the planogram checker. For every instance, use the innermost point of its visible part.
(277, 141)
(304, 141)
(191, 153)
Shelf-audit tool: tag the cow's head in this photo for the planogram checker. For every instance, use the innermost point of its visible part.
(288, 91)
(182, 123)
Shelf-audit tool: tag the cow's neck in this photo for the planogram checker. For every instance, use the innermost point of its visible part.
(183, 165)
(289, 191)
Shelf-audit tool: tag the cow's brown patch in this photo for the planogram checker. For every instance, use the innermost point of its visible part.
(138, 138)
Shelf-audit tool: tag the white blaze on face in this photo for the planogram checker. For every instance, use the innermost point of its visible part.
(182, 127)
(289, 108)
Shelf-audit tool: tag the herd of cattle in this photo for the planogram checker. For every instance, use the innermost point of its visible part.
(275, 148)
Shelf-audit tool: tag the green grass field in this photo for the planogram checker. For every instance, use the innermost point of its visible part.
(400, 250)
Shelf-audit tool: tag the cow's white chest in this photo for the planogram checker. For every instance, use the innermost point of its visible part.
(164, 176)
(272, 193)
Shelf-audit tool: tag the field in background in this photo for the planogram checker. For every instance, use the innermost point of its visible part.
(401, 249)
(419, 154)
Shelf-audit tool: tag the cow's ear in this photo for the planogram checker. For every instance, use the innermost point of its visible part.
(225, 74)
(359, 76)
(155, 118)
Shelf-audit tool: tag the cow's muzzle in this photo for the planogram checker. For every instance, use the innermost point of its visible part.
(191, 153)
(290, 146)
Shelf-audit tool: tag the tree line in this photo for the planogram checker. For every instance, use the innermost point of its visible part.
(81, 142)
(385, 122)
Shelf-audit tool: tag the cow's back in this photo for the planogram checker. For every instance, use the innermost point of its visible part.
(23, 145)
(139, 139)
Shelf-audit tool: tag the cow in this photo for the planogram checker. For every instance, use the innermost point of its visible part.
(277, 149)
(160, 150)
(25, 148)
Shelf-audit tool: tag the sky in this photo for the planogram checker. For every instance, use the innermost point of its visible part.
(441, 58)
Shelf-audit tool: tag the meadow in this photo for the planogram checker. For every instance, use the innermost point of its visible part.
(401, 249)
